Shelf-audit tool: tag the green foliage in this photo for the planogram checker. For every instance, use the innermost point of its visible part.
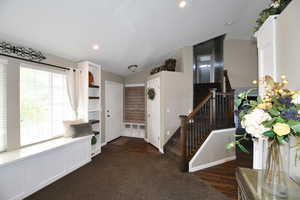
(242, 148)
(280, 138)
(151, 93)
(269, 133)
(273, 112)
(294, 125)
(279, 120)
(259, 100)
(253, 103)
(94, 140)
(275, 8)
(269, 123)
(238, 102)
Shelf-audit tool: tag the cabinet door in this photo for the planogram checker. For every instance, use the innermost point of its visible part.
(11, 181)
(267, 57)
(266, 42)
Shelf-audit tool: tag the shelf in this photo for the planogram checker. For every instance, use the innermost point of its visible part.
(95, 110)
(96, 133)
(94, 97)
(94, 121)
(94, 86)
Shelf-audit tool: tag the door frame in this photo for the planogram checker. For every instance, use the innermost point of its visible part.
(105, 106)
(160, 141)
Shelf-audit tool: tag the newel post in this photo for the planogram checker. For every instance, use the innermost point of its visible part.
(183, 142)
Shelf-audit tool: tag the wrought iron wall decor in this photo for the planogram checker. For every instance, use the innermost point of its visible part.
(24, 52)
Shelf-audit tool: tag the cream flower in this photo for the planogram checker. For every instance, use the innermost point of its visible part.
(275, 5)
(281, 129)
(296, 99)
(264, 106)
(252, 122)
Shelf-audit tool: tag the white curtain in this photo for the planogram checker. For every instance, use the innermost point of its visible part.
(74, 88)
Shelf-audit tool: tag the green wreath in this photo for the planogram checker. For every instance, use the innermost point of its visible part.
(151, 93)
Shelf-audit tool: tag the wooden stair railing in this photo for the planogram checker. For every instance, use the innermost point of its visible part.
(215, 111)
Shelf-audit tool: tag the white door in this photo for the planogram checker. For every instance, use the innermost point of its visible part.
(113, 110)
(153, 114)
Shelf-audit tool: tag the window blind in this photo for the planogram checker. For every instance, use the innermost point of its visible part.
(3, 123)
(134, 104)
(44, 105)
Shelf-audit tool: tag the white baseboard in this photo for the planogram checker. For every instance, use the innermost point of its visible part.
(211, 164)
(103, 144)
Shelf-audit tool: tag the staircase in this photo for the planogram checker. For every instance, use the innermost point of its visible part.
(215, 111)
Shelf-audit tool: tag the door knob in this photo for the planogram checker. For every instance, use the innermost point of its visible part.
(108, 115)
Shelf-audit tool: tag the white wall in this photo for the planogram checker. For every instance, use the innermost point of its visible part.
(213, 151)
(289, 44)
(137, 77)
(241, 61)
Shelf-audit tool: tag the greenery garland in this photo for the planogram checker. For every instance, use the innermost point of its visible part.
(151, 93)
(276, 7)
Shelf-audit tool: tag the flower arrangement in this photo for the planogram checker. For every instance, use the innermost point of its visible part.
(276, 116)
(275, 8)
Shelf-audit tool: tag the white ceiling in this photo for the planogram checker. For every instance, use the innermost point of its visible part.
(142, 32)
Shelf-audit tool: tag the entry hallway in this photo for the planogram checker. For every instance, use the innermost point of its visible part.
(129, 169)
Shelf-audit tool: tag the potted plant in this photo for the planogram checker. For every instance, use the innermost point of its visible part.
(275, 8)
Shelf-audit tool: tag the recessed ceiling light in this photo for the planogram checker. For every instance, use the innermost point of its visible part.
(96, 47)
(182, 4)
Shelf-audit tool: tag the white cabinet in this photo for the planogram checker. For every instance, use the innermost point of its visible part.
(28, 170)
(267, 50)
(267, 65)
(91, 100)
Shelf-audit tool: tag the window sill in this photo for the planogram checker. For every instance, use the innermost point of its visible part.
(25, 152)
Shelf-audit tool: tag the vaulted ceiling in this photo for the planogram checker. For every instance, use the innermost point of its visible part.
(128, 32)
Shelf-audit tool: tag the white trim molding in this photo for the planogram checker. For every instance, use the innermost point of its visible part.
(217, 140)
(211, 164)
(135, 85)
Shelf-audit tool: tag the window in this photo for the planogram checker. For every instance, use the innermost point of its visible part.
(44, 105)
(2, 105)
(134, 104)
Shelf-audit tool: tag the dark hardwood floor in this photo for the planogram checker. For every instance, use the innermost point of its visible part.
(222, 177)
